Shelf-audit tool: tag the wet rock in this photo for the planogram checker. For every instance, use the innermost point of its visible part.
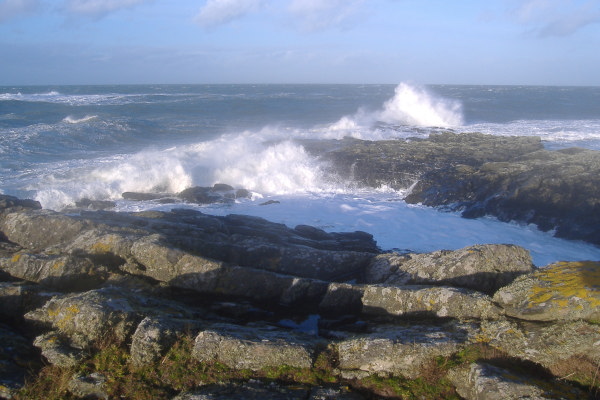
(95, 204)
(562, 291)
(511, 178)
(400, 349)
(485, 268)
(431, 301)
(480, 381)
(16, 204)
(255, 347)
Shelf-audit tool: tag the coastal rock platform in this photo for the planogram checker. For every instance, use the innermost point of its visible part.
(183, 305)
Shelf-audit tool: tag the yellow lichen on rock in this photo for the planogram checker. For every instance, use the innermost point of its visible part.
(563, 282)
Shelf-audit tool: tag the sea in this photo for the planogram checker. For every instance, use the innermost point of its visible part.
(60, 144)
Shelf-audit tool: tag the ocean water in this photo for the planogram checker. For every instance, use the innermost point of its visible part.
(59, 144)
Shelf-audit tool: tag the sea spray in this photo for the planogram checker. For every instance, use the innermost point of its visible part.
(411, 106)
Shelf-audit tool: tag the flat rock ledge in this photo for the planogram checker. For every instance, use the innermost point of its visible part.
(245, 308)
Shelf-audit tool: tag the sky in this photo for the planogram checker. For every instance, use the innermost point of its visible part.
(518, 42)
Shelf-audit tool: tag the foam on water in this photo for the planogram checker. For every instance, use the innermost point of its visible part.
(272, 164)
(72, 120)
(411, 107)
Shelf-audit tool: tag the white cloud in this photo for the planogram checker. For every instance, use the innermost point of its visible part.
(315, 15)
(557, 17)
(217, 12)
(13, 8)
(99, 8)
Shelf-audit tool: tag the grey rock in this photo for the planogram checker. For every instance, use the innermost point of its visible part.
(57, 351)
(89, 387)
(562, 291)
(400, 349)
(154, 336)
(267, 391)
(437, 301)
(480, 381)
(485, 268)
(58, 272)
(563, 348)
(255, 347)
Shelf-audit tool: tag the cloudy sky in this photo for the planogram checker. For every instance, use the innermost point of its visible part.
(542, 42)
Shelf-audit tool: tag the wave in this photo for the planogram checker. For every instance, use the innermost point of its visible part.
(412, 107)
(72, 120)
(247, 160)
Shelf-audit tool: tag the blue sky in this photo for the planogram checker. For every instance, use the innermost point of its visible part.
(540, 42)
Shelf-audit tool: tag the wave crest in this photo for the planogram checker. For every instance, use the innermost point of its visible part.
(416, 106)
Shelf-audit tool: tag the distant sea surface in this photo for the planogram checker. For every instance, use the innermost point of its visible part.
(59, 144)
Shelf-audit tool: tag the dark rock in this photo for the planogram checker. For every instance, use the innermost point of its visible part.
(137, 196)
(268, 203)
(17, 358)
(511, 178)
(95, 204)
(15, 203)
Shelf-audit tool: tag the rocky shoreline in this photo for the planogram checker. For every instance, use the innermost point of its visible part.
(511, 178)
(183, 305)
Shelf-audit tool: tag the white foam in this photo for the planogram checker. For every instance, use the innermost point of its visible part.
(411, 107)
(397, 225)
(72, 120)
(414, 105)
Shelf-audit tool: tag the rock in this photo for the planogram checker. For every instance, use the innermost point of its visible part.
(137, 196)
(420, 301)
(552, 189)
(17, 359)
(399, 163)
(17, 298)
(92, 386)
(95, 204)
(400, 349)
(154, 336)
(511, 178)
(257, 390)
(88, 317)
(255, 347)
(57, 351)
(485, 268)
(568, 349)
(40, 230)
(218, 193)
(16, 204)
(59, 272)
(480, 381)
(562, 291)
